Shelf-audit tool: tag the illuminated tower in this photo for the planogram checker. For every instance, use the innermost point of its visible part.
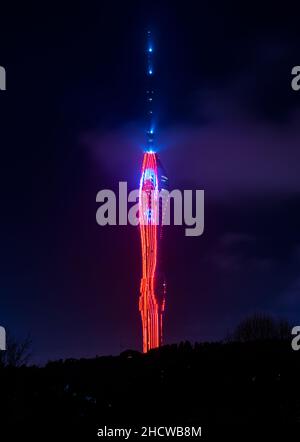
(153, 180)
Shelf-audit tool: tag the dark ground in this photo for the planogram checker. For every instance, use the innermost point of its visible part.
(229, 388)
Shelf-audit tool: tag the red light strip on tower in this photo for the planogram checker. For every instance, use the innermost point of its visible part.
(151, 312)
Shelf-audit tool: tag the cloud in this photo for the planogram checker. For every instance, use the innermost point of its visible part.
(236, 156)
(232, 155)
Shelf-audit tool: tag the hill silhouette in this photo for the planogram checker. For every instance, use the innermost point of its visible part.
(205, 384)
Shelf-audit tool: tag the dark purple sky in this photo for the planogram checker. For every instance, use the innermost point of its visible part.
(72, 124)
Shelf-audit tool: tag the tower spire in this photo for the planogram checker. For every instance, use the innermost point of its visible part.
(150, 94)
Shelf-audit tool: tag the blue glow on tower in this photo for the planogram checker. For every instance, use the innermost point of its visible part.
(149, 174)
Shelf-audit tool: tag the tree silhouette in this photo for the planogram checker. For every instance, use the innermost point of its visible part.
(17, 353)
(260, 327)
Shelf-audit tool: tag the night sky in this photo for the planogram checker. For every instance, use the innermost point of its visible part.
(72, 123)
